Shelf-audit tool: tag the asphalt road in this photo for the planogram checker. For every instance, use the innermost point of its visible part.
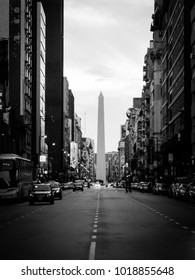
(101, 224)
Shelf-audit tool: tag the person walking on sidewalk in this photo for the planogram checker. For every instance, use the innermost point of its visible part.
(128, 183)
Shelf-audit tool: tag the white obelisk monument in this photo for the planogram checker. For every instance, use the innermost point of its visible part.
(101, 159)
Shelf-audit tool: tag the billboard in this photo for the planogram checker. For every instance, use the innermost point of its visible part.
(73, 154)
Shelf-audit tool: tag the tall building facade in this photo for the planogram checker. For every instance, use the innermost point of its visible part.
(6, 141)
(87, 161)
(112, 166)
(101, 164)
(172, 21)
(54, 10)
(20, 73)
(38, 86)
(121, 152)
(192, 56)
(71, 113)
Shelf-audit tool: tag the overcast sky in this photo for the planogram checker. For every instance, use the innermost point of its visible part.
(105, 45)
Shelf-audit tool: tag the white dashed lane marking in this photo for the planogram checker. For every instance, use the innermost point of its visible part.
(165, 216)
(22, 217)
(94, 236)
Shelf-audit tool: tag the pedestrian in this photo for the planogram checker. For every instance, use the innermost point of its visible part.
(128, 184)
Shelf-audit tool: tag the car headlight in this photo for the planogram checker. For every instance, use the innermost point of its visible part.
(31, 195)
(49, 194)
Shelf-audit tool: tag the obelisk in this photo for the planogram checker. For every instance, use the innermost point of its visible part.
(101, 159)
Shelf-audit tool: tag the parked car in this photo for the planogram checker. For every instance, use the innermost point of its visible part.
(119, 184)
(122, 184)
(171, 190)
(180, 188)
(67, 185)
(87, 184)
(41, 193)
(145, 186)
(182, 191)
(160, 188)
(191, 192)
(176, 190)
(97, 184)
(134, 186)
(57, 189)
(78, 185)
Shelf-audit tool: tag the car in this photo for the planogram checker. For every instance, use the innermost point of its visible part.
(41, 193)
(191, 192)
(176, 190)
(78, 185)
(160, 188)
(67, 185)
(97, 184)
(171, 190)
(86, 184)
(144, 186)
(180, 190)
(57, 189)
(183, 191)
(134, 185)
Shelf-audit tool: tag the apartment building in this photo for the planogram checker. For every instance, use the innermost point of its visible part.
(20, 73)
(172, 20)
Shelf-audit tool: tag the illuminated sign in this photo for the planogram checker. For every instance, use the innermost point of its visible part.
(42, 158)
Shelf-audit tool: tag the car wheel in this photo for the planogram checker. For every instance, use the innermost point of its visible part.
(73, 190)
(30, 202)
(82, 189)
(52, 201)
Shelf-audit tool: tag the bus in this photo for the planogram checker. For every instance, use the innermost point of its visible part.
(16, 177)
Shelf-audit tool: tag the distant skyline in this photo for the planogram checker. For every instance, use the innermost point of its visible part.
(105, 45)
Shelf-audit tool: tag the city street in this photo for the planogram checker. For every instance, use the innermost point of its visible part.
(99, 223)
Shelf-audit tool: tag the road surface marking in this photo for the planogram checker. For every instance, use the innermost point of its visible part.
(92, 251)
(93, 243)
(166, 217)
(184, 227)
